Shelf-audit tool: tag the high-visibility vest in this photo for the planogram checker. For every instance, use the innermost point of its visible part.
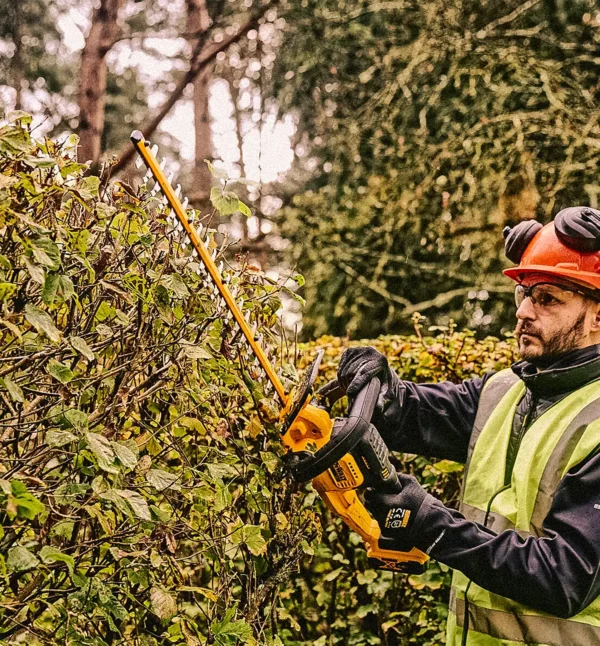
(563, 436)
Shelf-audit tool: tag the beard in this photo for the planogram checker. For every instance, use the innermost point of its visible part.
(544, 349)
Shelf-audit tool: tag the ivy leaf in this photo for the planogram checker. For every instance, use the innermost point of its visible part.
(59, 371)
(82, 347)
(42, 322)
(20, 559)
(162, 480)
(103, 451)
(50, 554)
(162, 603)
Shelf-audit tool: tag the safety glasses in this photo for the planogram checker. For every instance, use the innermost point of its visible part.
(546, 295)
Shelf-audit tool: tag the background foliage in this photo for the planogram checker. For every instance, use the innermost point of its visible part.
(142, 497)
(435, 125)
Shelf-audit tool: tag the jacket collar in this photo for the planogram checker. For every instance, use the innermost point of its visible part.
(569, 372)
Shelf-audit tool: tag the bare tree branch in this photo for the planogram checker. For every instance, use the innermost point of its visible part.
(199, 62)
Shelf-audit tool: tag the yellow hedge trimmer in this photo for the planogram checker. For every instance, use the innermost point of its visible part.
(339, 455)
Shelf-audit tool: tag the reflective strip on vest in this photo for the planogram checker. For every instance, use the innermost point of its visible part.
(556, 466)
(559, 439)
(528, 629)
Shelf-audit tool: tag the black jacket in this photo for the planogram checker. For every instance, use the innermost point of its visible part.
(557, 573)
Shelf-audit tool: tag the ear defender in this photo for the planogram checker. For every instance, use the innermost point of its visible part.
(578, 228)
(516, 239)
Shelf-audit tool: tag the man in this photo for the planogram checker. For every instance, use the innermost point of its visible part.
(525, 543)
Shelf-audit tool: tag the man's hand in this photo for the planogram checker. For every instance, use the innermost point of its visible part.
(358, 366)
(398, 514)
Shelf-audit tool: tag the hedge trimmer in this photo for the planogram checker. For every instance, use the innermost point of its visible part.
(339, 455)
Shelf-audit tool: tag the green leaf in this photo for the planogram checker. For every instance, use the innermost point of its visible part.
(222, 498)
(50, 554)
(63, 529)
(299, 279)
(36, 272)
(78, 419)
(5, 263)
(66, 289)
(103, 451)
(130, 502)
(448, 466)
(175, 284)
(46, 252)
(125, 455)
(42, 322)
(7, 290)
(50, 288)
(19, 115)
(195, 351)
(225, 202)
(227, 632)
(82, 347)
(20, 559)
(163, 605)
(88, 187)
(251, 536)
(15, 392)
(59, 371)
(162, 480)
(270, 460)
(59, 438)
(39, 162)
(21, 503)
(244, 209)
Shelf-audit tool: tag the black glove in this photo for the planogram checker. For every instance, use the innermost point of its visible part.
(398, 514)
(358, 366)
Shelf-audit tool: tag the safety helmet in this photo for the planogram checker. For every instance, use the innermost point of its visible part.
(568, 247)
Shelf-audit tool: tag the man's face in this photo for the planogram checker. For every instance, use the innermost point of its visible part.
(558, 322)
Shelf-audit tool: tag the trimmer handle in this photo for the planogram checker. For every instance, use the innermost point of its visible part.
(347, 431)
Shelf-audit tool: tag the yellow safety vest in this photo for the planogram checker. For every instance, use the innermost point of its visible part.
(559, 439)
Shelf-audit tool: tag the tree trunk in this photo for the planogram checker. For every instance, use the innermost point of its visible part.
(104, 32)
(198, 22)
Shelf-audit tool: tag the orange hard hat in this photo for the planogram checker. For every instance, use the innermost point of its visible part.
(568, 247)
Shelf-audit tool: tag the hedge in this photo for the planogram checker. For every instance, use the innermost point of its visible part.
(143, 498)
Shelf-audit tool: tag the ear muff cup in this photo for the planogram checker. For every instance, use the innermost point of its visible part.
(518, 238)
(578, 228)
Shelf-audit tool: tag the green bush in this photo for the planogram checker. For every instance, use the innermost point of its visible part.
(142, 494)
(336, 598)
(141, 498)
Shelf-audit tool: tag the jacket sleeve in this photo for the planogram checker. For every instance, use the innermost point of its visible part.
(556, 573)
(430, 419)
